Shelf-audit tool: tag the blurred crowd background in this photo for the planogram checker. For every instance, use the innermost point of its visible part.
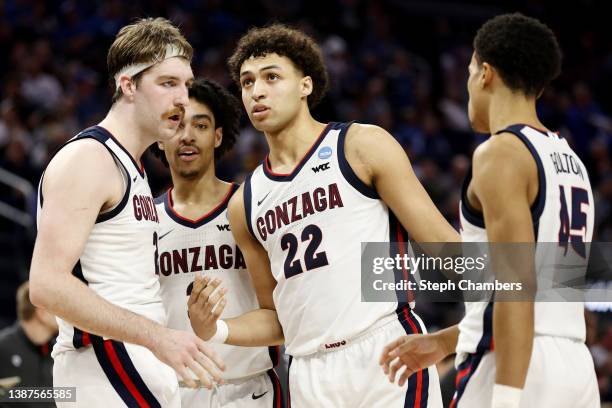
(399, 64)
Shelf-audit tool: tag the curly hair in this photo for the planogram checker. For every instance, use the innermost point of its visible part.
(523, 50)
(279, 39)
(225, 109)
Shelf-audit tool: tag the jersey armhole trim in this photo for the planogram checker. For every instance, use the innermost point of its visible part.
(346, 169)
(124, 173)
(85, 134)
(538, 204)
(469, 213)
(40, 194)
(108, 135)
(247, 197)
(105, 216)
(77, 271)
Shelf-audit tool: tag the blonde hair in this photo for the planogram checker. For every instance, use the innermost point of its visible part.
(146, 40)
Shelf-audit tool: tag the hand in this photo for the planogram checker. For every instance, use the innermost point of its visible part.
(182, 351)
(204, 309)
(414, 352)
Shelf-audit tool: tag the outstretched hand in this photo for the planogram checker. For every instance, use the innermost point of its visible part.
(205, 306)
(185, 353)
(411, 353)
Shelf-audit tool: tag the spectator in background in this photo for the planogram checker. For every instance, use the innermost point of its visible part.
(41, 89)
(25, 359)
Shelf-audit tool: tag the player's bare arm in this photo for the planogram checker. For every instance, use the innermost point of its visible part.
(256, 328)
(72, 202)
(380, 162)
(505, 201)
(417, 352)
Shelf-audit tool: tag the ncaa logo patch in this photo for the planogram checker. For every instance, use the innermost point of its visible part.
(325, 152)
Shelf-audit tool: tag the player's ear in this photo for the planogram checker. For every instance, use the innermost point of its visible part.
(306, 86)
(486, 75)
(128, 87)
(218, 136)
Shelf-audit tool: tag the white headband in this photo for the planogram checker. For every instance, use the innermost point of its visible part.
(134, 69)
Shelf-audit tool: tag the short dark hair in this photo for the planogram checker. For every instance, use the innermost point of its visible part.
(225, 109)
(288, 42)
(523, 50)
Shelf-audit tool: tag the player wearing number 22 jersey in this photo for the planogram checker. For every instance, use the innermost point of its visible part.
(301, 218)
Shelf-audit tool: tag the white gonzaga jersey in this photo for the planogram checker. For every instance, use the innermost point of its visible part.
(312, 223)
(118, 259)
(563, 214)
(206, 247)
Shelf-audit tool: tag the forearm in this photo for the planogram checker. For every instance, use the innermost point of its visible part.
(513, 335)
(254, 329)
(68, 298)
(442, 231)
(429, 226)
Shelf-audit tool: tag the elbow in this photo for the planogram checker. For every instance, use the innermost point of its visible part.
(39, 295)
(36, 295)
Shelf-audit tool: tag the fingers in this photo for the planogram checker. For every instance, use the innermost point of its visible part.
(393, 370)
(218, 295)
(215, 304)
(197, 368)
(204, 364)
(219, 309)
(207, 289)
(385, 357)
(210, 288)
(202, 289)
(184, 375)
(199, 283)
(209, 367)
(211, 354)
(211, 307)
(404, 377)
(385, 367)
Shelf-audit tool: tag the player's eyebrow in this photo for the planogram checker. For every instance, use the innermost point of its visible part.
(201, 116)
(174, 78)
(166, 77)
(270, 67)
(267, 67)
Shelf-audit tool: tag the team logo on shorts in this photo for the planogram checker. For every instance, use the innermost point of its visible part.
(325, 152)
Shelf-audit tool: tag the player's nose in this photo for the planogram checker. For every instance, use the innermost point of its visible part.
(187, 135)
(181, 98)
(259, 90)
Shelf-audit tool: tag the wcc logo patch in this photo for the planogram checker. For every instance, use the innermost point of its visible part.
(321, 167)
